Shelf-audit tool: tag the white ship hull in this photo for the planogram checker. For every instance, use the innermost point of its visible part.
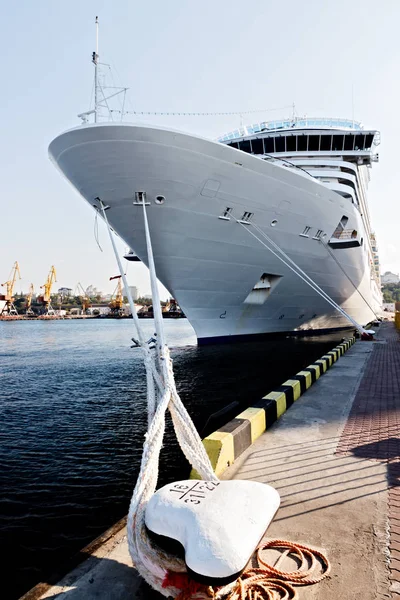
(211, 265)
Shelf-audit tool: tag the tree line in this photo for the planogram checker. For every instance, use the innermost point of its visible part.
(391, 292)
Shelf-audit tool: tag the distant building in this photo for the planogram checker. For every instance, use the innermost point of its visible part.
(147, 296)
(66, 292)
(390, 277)
(134, 292)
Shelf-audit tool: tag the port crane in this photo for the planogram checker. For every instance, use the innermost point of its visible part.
(28, 310)
(45, 298)
(118, 298)
(9, 307)
(85, 300)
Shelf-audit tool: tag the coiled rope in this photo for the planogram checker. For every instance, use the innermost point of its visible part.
(164, 572)
(270, 582)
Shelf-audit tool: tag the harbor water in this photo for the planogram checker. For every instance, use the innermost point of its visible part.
(73, 419)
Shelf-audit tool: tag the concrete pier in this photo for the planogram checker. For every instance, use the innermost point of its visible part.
(334, 458)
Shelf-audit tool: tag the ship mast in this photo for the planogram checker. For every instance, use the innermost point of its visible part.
(100, 98)
(95, 60)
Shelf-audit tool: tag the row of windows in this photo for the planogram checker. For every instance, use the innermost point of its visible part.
(289, 124)
(306, 143)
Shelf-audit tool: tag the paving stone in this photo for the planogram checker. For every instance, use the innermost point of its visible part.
(372, 430)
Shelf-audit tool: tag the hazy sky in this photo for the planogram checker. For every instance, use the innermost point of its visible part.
(180, 55)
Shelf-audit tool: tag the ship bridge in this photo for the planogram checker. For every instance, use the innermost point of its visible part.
(334, 136)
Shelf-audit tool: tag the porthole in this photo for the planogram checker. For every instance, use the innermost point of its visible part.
(159, 199)
(274, 222)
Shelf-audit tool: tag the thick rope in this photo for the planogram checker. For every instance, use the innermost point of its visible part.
(151, 562)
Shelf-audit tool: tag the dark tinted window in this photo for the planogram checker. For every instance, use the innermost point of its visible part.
(234, 145)
(291, 143)
(326, 141)
(245, 146)
(257, 146)
(313, 142)
(269, 145)
(348, 142)
(280, 144)
(368, 141)
(337, 142)
(302, 143)
(359, 142)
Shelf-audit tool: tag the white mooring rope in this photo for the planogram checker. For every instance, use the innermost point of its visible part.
(151, 562)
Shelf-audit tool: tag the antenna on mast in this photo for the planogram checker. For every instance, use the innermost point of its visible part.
(95, 60)
(100, 98)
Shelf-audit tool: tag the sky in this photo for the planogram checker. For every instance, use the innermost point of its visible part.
(336, 59)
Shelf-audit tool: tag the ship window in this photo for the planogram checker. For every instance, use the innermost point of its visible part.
(359, 142)
(326, 142)
(318, 235)
(348, 142)
(313, 143)
(337, 142)
(234, 145)
(244, 146)
(269, 145)
(280, 144)
(302, 143)
(291, 143)
(257, 146)
(368, 141)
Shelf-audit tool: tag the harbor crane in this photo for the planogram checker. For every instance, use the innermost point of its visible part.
(85, 300)
(28, 310)
(9, 306)
(45, 298)
(118, 298)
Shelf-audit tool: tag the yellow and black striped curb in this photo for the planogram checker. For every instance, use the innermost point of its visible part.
(226, 444)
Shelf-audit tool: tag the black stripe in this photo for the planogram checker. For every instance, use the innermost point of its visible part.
(271, 410)
(303, 382)
(313, 374)
(241, 432)
(288, 391)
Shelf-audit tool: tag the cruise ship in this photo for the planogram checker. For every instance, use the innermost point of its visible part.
(223, 214)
